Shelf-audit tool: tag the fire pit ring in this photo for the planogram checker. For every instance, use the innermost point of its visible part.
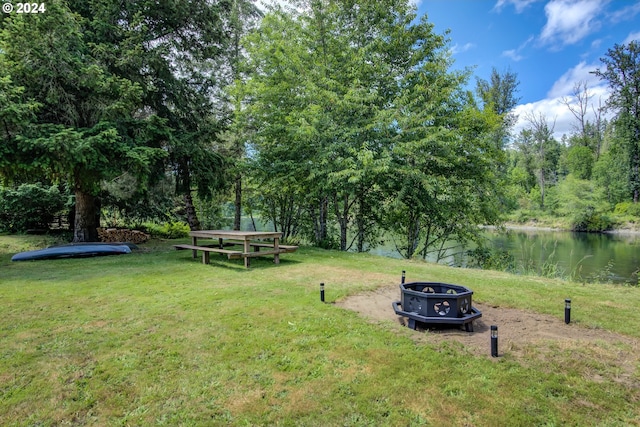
(436, 303)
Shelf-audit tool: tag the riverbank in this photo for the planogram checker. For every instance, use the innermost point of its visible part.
(626, 227)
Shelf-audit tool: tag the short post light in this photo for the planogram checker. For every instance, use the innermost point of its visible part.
(494, 341)
(322, 292)
(403, 274)
(567, 311)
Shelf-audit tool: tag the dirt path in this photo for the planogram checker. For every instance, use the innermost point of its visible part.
(518, 329)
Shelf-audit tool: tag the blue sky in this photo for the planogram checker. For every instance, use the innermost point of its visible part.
(549, 44)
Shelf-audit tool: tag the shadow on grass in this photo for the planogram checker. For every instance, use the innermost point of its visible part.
(238, 264)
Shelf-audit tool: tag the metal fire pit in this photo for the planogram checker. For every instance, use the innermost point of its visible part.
(433, 302)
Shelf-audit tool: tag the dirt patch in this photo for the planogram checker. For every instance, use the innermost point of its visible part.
(519, 330)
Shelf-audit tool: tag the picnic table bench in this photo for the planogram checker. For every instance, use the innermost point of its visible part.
(206, 250)
(230, 238)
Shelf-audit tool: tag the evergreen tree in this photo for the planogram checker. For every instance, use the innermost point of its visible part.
(82, 127)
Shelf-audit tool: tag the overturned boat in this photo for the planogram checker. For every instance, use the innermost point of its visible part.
(74, 250)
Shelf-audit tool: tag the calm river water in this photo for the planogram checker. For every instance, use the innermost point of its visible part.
(589, 257)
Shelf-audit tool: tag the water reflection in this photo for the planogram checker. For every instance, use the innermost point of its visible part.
(588, 257)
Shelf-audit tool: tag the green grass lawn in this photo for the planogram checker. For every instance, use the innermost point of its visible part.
(158, 338)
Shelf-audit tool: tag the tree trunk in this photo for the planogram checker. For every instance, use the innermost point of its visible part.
(427, 241)
(192, 215)
(320, 220)
(542, 188)
(238, 203)
(343, 220)
(635, 172)
(413, 234)
(360, 225)
(87, 217)
(324, 205)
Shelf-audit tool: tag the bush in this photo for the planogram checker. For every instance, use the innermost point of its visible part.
(580, 161)
(627, 208)
(29, 206)
(169, 230)
(591, 221)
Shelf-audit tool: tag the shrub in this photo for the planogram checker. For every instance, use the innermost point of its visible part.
(29, 206)
(168, 230)
(627, 208)
(590, 220)
(580, 161)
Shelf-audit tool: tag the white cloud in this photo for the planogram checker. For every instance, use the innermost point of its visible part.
(514, 54)
(626, 13)
(569, 21)
(580, 73)
(553, 107)
(596, 44)
(519, 5)
(631, 37)
(459, 49)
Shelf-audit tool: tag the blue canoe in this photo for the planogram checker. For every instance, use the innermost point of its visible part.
(73, 251)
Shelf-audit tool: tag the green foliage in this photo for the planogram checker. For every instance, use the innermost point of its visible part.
(627, 208)
(535, 198)
(30, 206)
(610, 177)
(317, 119)
(584, 204)
(168, 230)
(126, 202)
(499, 93)
(346, 101)
(84, 124)
(590, 220)
(522, 178)
(536, 161)
(485, 258)
(211, 214)
(107, 87)
(580, 161)
(622, 72)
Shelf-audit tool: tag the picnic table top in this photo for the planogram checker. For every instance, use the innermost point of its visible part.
(236, 234)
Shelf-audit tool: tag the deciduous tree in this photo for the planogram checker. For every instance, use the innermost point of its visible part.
(622, 72)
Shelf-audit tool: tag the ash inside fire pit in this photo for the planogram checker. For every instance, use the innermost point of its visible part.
(433, 302)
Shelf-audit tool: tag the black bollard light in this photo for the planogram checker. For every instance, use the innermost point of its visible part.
(322, 292)
(494, 341)
(402, 276)
(567, 311)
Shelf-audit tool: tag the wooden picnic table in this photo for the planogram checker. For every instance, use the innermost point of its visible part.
(246, 239)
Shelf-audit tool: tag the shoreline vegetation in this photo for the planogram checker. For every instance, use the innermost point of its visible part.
(627, 228)
(622, 225)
